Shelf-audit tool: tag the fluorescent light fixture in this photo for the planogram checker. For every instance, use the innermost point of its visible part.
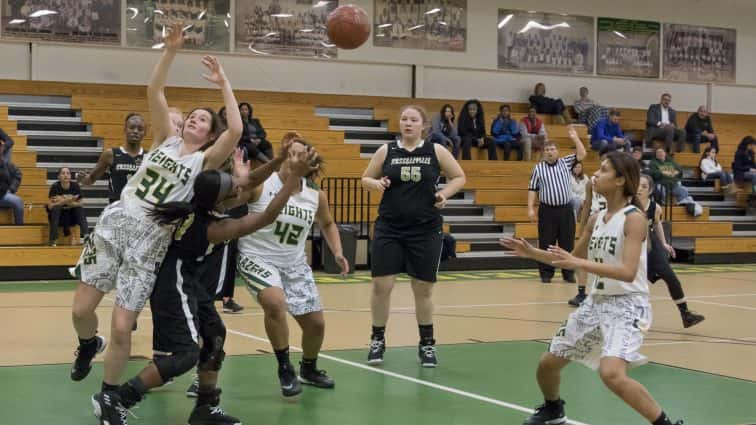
(270, 34)
(147, 19)
(201, 15)
(281, 15)
(385, 25)
(443, 23)
(186, 28)
(164, 32)
(131, 29)
(134, 11)
(380, 35)
(415, 27)
(306, 30)
(225, 22)
(228, 15)
(17, 21)
(43, 12)
(327, 45)
(320, 4)
(619, 34)
(505, 20)
(158, 46)
(532, 11)
(533, 24)
(432, 11)
(257, 52)
(158, 11)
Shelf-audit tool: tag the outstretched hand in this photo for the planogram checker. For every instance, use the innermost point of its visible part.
(242, 168)
(343, 264)
(572, 132)
(303, 163)
(287, 140)
(565, 260)
(216, 75)
(520, 246)
(174, 38)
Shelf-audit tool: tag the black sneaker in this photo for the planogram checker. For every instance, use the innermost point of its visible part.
(193, 388)
(109, 410)
(289, 383)
(579, 298)
(547, 415)
(315, 377)
(211, 415)
(377, 348)
(545, 280)
(82, 365)
(690, 318)
(231, 307)
(426, 353)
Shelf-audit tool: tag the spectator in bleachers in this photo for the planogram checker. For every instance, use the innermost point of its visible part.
(253, 140)
(548, 105)
(699, 130)
(472, 127)
(668, 174)
(222, 116)
(711, 169)
(505, 133)
(743, 166)
(444, 130)
(533, 133)
(583, 105)
(608, 134)
(8, 144)
(637, 154)
(579, 180)
(65, 207)
(10, 180)
(661, 123)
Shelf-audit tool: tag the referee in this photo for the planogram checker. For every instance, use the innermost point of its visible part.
(550, 181)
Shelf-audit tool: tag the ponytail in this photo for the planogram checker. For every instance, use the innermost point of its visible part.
(171, 212)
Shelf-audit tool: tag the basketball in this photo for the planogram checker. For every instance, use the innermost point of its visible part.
(348, 26)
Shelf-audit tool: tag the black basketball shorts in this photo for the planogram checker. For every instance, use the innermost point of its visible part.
(417, 253)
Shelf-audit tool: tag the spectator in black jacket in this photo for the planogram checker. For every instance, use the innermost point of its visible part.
(65, 207)
(6, 155)
(10, 179)
(472, 127)
(254, 139)
(547, 105)
(661, 123)
(743, 166)
(699, 130)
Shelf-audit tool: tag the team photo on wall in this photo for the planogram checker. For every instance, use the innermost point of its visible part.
(695, 53)
(74, 21)
(421, 24)
(628, 48)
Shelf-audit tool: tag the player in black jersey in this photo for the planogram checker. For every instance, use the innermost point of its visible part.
(408, 231)
(182, 305)
(660, 251)
(119, 163)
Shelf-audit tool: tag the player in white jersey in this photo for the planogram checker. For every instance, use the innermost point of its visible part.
(607, 330)
(126, 249)
(273, 264)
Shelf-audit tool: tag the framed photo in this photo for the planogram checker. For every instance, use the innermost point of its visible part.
(628, 48)
(206, 23)
(695, 53)
(420, 24)
(71, 21)
(537, 41)
(284, 27)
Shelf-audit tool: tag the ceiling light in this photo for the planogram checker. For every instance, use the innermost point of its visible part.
(43, 12)
(432, 11)
(505, 20)
(201, 15)
(385, 25)
(306, 30)
(320, 4)
(327, 45)
(281, 15)
(133, 10)
(158, 46)
(619, 34)
(17, 21)
(257, 52)
(158, 11)
(533, 24)
(415, 27)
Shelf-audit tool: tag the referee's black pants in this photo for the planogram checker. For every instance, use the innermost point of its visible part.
(555, 224)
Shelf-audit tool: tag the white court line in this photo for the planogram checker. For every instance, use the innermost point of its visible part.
(445, 388)
(748, 338)
(740, 307)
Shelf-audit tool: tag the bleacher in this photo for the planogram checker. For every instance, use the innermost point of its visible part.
(76, 121)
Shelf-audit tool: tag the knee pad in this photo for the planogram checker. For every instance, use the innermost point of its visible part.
(176, 364)
(211, 355)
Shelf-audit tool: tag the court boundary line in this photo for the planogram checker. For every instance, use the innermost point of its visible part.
(422, 382)
(735, 306)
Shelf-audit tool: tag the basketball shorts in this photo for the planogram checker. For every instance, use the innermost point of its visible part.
(417, 254)
(218, 272)
(605, 326)
(124, 252)
(297, 282)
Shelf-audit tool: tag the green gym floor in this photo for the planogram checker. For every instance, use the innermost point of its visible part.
(488, 356)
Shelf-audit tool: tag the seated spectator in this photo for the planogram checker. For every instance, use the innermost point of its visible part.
(533, 133)
(65, 207)
(661, 123)
(6, 156)
(699, 130)
(588, 111)
(743, 166)
(10, 180)
(472, 127)
(711, 169)
(667, 175)
(549, 106)
(253, 140)
(608, 134)
(637, 154)
(505, 133)
(579, 180)
(444, 130)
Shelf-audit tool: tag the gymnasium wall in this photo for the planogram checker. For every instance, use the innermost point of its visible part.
(388, 72)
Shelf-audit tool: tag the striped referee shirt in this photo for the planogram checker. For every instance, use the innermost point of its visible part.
(552, 181)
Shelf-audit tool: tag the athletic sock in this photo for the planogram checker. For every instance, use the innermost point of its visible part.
(426, 334)
(553, 404)
(131, 392)
(662, 420)
(581, 289)
(282, 356)
(683, 307)
(379, 333)
(309, 364)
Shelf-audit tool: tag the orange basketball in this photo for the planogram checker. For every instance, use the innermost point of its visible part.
(348, 26)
